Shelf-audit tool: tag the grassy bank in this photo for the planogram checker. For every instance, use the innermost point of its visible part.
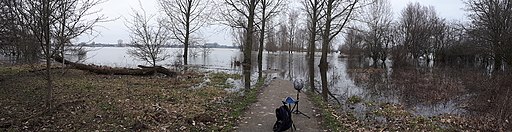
(328, 113)
(88, 102)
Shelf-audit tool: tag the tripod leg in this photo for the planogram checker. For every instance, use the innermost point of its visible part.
(303, 114)
(294, 127)
(296, 106)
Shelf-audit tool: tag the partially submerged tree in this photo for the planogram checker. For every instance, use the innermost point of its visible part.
(417, 25)
(293, 19)
(353, 45)
(68, 20)
(336, 15)
(16, 40)
(241, 14)
(271, 41)
(185, 17)
(313, 10)
(491, 22)
(148, 38)
(268, 9)
(377, 21)
(283, 37)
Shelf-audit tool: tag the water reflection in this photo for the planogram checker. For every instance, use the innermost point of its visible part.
(424, 91)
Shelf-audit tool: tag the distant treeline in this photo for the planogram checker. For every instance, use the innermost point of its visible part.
(420, 35)
(166, 46)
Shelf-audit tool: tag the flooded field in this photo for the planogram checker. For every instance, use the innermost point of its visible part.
(428, 91)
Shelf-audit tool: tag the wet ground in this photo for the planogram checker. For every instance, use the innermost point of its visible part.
(422, 90)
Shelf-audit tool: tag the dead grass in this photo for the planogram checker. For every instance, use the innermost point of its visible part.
(89, 102)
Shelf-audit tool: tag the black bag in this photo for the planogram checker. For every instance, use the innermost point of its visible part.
(284, 119)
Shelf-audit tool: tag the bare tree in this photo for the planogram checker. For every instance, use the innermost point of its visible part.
(69, 19)
(440, 37)
(185, 17)
(491, 25)
(416, 26)
(293, 17)
(268, 9)
(353, 45)
(238, 35)
(301, 37)
(449, 37)
(313, 9)
(205, 50)
(377, 19)
(283, 37)
(74, 20)
(336, 15)
(51, 24)
(16, 41)
(45, 38)
(271, 43)
(198, 46)
(241, 14)
(148, 40)
(491, 22)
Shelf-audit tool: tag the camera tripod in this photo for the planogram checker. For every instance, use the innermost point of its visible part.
(296, 106)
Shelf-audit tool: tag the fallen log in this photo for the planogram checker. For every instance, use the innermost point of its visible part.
(159, 69)
(104, 70)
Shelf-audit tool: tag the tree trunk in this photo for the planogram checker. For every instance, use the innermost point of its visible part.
(186, 45)
(323, 75)
(312, 47)
(46, 38)
(187, 33)
(325, 47)
(103, 70)
(311, 61)
(262, 39)
(311, 64)
(497, 62)
(154, 61)
(248, 45)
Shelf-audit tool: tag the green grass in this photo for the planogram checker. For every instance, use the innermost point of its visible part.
(219, 79)
(354, 99)
(13, 70)
(243, 102)
(329, 120)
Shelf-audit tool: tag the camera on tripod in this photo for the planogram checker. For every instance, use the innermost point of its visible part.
(298, 84)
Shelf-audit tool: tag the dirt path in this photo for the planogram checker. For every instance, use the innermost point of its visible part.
(260, 117)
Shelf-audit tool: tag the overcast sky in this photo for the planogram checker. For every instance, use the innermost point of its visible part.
(111, 32)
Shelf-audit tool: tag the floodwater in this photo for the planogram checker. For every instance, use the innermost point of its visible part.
(423, 91)
(118, 57)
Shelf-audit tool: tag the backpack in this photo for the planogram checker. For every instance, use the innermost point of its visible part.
(284, 119)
